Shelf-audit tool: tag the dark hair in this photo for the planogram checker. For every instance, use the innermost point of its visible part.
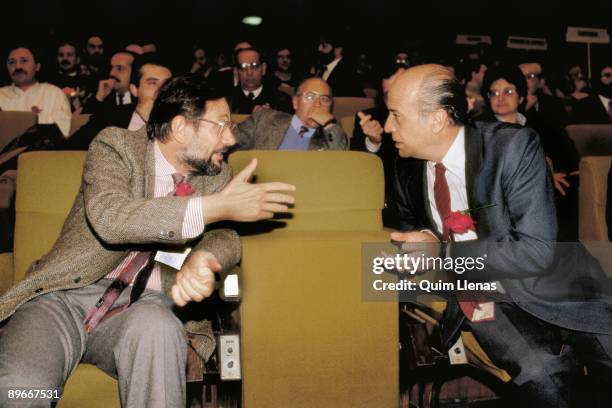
(150, 58)
(33, 50)
(511, 73)
(241, 50)
(185, 95)
(441, 89)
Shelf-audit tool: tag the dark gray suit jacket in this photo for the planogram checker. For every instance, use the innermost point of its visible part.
(505, 166)
(266, 128)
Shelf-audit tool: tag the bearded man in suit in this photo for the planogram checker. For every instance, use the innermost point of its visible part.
(556, 301)
(312, 127)
(134, 202)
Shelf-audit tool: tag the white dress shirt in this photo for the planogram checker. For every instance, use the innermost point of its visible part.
(330, 68)
(51, 101)
(255, 93)
(136, 121)
(454, 161)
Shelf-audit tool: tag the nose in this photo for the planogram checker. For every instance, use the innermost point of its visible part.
(388, 125)
(228, 138)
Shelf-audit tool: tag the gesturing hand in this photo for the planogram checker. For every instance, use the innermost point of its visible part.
(244, 201)
(196, 279)
(371, 128)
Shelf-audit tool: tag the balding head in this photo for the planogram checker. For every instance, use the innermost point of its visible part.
(426, 105)
(312, 93)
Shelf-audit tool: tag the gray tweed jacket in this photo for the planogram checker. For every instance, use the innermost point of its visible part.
(266, 128)
(115, 212)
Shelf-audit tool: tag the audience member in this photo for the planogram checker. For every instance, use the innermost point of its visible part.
(252, 93)
(312, 127)
(94, 62)
(507, 92)
(597, 108)
(284, 75)
(77, 86)
(147, 77)
(369, 136)
(27, 94)
(113, 93)
(333, 67)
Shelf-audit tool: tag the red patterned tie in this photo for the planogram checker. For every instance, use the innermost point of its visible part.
(142, 261)
(302, 131)
(443, 204)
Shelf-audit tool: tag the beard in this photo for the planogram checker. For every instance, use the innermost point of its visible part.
(202, 167)
(605, 90)
(325, 59)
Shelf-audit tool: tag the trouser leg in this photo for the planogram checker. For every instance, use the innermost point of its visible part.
(145, 346)
(40, 347)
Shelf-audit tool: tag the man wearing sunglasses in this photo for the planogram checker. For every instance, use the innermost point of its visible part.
(312, 127)
(252, 93)
(597, 108)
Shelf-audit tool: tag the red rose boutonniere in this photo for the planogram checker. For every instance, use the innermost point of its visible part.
(460, 222)
(184, 189)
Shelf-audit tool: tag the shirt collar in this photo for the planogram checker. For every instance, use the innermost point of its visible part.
(296, 124)
(454, 159)
(18, 90)
(332, 65)
(256, 92)
(520, 119)
(162, 165)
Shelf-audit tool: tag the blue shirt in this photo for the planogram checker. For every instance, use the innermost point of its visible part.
(292, 139)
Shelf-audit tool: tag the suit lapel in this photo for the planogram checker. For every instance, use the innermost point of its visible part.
(425, 188)
(277, 131)
(149, 173)
(473, 164)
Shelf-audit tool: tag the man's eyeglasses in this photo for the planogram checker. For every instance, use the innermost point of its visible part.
(310, 97)
(505, 91)
(533, 75)
(245, 66)
(226, 124)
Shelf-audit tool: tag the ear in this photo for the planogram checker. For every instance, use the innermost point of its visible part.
(294, 101)
(134, 90)
(37, 66)
(521, 99)
(178, 127)
(438, 120)
(264, 66)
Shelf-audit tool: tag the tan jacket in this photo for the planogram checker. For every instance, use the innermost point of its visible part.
(115, 212)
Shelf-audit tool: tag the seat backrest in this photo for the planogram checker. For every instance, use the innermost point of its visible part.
(239, 117)
(47, 183)
(13, 124)
(336, 190)
(348, 125)
(77, 121)
(591, 140)
(593, 197)
(349, 106)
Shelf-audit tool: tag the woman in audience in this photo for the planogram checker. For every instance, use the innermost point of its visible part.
(506, 94)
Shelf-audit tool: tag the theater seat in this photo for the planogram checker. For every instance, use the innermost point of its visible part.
(591, 140)
(349, 106)
(13, 124)
(593, 197)
(47, 183)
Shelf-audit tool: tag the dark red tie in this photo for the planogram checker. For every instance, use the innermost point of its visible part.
(302, 131)
(142, 261)
(442, 197)
(443, 204)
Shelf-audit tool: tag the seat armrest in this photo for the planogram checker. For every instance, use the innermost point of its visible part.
(7, 271)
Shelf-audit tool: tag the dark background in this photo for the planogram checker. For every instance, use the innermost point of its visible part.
(377, 27)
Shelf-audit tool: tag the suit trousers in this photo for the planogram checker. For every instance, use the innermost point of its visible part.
(546, 361)
(143, 346)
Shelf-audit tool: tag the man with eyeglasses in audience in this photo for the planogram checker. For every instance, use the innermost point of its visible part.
(312, 127)
(252, 93)
(597, 108)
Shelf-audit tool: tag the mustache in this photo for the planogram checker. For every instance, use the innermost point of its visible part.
(19, 71)
(64, 62)
(114, 77)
